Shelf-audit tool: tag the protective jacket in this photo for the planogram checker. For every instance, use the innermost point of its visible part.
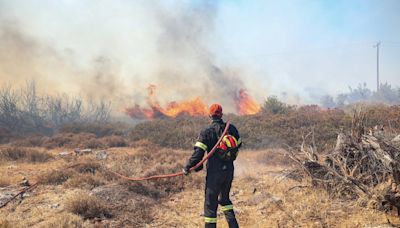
(206, 141)
(219, 173)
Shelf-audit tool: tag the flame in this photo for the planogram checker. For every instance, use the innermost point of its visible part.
(246, 105)
(192, 107)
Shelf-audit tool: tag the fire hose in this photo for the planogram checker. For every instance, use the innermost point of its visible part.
(209, 154)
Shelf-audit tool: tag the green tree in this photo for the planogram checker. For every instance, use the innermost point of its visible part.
(274, 106)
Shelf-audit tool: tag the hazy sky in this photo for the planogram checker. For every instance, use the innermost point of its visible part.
(304, 48)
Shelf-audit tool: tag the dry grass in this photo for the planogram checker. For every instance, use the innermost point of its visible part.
(55, 177)
(30, 141)
(261, 195)
(62, 220)
(87, 206)
(21, 154)
(5, 223)
(114, 141)
(87, 166)
(84, 181)
(6, 179)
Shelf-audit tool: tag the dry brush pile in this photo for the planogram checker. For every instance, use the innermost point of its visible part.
(364, 165)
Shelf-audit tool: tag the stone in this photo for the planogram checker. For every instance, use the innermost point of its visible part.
(101, 155)
(64, 153)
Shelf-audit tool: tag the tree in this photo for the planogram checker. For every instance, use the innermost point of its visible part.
(327, 101)
(274, 106)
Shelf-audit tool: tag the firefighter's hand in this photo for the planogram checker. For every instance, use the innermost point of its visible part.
(185, 171)
(198, 169)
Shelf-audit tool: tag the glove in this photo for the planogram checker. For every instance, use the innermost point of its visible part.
(185, 171)
(198, 169)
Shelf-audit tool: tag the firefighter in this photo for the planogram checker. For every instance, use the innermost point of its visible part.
(220, 166)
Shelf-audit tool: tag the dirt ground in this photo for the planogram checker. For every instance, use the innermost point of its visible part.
(264, 194)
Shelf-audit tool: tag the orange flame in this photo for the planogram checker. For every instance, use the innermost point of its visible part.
(193, 107)
(246, 105)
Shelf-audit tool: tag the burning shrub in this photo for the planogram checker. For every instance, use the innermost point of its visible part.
(87, 206)
(21, 154)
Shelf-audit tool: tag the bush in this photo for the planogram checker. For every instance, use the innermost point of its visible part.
(273, 106)
(84, 181)
(100, 129)
(21, 154)
(30, 141)
(88, 166)
(91, 144)
(114, 141)
(70, 140)
(88, 207)
(62, 220)
(55, 177)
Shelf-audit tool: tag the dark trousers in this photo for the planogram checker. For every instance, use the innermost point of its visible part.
(218, 186)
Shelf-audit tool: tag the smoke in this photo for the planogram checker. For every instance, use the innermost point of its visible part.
(165, 44)
(24, 58)
(211, 49)
(186, 66)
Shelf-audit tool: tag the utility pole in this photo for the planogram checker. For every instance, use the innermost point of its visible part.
(377, 66)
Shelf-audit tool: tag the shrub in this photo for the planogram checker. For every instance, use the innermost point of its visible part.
(87, 206)
(62, 220)
(88, 166)
(273, 106)
(70, 140)
(114, 141)
(55, 177)
(84, 181)
(21, 154)
(100, 129)
(91, 144)
(30, 141)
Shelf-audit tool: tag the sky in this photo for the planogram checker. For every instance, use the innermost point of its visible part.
(298, 50)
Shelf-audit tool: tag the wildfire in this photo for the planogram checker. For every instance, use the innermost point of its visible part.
(245, 105)
(193, 107)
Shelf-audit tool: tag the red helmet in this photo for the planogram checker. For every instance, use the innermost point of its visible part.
(228, 142)
(215, 110)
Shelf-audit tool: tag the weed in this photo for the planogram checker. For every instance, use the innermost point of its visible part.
(55, 177)
(21, 154)
(87, 206)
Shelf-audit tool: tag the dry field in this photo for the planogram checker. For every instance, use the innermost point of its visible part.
(78, 191)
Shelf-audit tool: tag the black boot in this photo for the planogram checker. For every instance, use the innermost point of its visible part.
(231, 219)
